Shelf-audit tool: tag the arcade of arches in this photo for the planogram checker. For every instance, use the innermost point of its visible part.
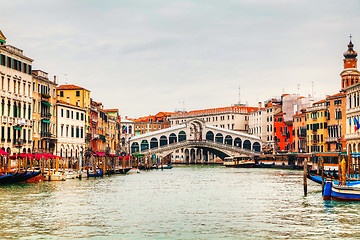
(192, 155)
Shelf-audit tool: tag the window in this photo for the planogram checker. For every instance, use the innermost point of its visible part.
(67, 114)
(77, 115)
(72, 114)
(61, 93)
(72, 131)
(62, 112)
(78, 93)
(82, 117)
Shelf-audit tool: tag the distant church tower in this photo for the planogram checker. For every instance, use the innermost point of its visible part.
(350, 74)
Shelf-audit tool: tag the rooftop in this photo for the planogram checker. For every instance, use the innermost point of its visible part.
(70, 87)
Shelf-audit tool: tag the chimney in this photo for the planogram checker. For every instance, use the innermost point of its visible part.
(54, 79)
(259, 104)
(68, 100)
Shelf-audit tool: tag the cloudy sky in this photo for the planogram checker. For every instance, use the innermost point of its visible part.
(146, 56)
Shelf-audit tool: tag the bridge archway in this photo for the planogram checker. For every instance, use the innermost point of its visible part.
(163, 141)
(172, 138)
(228, 140)
(187, 156)
(154, 143)
(247, 144)
(210, 136)
(192, 155)
(144, 145)
(134, 148)
(237, 142)
(256, 147)
(219, 138)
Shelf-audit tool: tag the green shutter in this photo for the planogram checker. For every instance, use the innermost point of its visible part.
(45, 121)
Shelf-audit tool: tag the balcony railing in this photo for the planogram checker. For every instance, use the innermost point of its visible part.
(331, 139)
(44, 134)
(46, 115)
(88, 136)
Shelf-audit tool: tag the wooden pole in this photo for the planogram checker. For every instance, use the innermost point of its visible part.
(322, 175)
(305, 177)
(358, 168)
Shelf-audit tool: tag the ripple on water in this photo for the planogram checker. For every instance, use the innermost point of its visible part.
(198, 202)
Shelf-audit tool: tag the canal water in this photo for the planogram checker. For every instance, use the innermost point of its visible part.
(186, 202)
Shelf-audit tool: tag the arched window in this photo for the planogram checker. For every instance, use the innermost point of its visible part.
(219, 138)
(256, 147)
(247, 144)
(228, 140)
(134, 147)
(237, 142)
(154, 143)
(172, 138)
(210, 136)
(144, 145)
(182, 136)
(163, 141)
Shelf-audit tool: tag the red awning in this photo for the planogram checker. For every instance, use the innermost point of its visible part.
(2, 152)
(22, 155)
(46, 156)
(101, 154)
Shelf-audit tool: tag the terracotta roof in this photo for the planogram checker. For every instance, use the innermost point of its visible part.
(218, 110)
(63, 102)
(111, 110)
(321, 101)
(70, 87)
(340, 94)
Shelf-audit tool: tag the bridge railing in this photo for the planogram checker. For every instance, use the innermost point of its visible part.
(187, 143)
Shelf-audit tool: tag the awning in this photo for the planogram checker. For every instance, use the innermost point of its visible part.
(101, 154)
(22, 155)
(2, 152)
(46, 103)
(46, 121)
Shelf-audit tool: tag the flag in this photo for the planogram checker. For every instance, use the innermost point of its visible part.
(125, 129)
(357, 124)
(350, 121)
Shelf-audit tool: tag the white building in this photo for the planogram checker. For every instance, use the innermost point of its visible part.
(233, 118)
(127, 131)
(16, 98)
(70, 130)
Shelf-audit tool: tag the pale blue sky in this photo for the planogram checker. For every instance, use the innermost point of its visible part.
(146, 56)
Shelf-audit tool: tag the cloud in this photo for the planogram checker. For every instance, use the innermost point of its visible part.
(147, 56)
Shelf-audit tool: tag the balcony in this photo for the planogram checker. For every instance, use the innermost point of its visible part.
(88, 136)
(352, 136)
(45, 134)
(4, 119)
(331, 139)
(45, 97)
(95, 136)
(102, 137)
(46, 115)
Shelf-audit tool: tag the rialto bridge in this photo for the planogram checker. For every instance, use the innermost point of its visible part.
(194, 141)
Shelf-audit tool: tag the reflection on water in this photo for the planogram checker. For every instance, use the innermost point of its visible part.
(182, 203)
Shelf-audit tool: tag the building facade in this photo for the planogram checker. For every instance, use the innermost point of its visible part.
(70, 130)
(350, 83)
(80, 97)
(44, 113)
(16, 99)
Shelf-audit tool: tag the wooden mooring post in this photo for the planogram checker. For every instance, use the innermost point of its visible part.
(305, 177)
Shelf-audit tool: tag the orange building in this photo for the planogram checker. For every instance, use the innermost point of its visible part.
(336, 122)
(152, 123)
(299, 131)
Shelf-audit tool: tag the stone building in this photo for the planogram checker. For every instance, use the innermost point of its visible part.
(44, 112)
(350, 83)
(16, 99)
(70, 130)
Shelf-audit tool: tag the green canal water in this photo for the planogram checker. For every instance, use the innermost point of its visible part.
(186, 202)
